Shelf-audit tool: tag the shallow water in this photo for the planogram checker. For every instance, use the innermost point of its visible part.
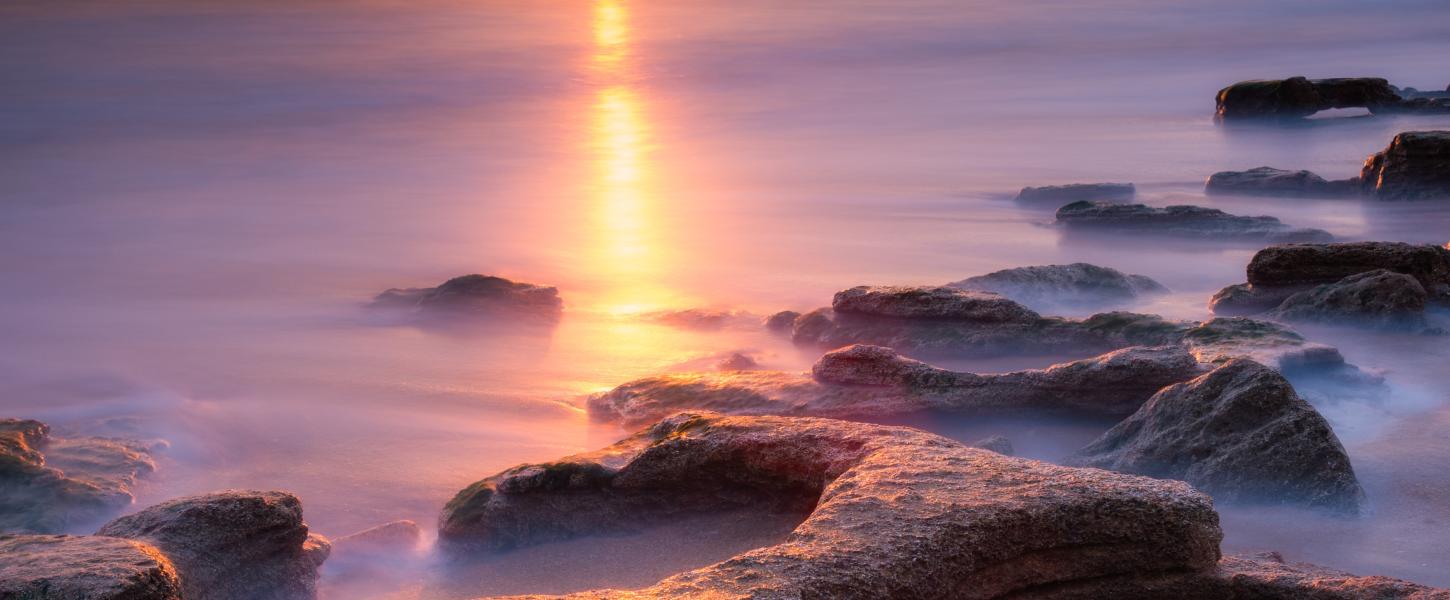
(197, 200)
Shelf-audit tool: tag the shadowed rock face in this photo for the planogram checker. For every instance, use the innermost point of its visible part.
(232, 545)
(1377, 298)
(866, 382)
(64, 567)
(1076, 284)
(897, 512)
(1298, 97)
(1278, 272)
(1241, 434)
(1073, 192)
(1416, 165)
(1268, 181)
(51, 484)
(1182, 221)
(475, 295)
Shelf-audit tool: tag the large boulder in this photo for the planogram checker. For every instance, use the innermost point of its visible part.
(1299, 97)
(1268, 181)
(1241, 434)
(1181, 221)
(50, 484)
(1057, 195)
(476, 296)
(1416, 165)
(1379, 298)
(1278, 272)
(1071, 285)
(65, 567)
(232, 545)
(893, 512)
(871, 382)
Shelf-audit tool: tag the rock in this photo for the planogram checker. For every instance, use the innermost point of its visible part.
(942, 303)
(893, 512)
(1268, 181)
(871, 382)
(781, 322)
(1219, 340)
(232, 545)
(1058, 194)
(50, 484)
(698, 318)
(1076, 284)
(65, 567)
(737, 362)
(1415, 166)
(996, 443)
(1278, 272)
(1379, 298)
(1298, 97)
(1241, 434)
(1242, 299)
(393, 538)
(1181, 221)
(475, 295)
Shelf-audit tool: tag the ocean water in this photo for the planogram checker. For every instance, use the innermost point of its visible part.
(197, 200)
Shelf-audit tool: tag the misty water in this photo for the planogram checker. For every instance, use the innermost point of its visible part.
(199, 199)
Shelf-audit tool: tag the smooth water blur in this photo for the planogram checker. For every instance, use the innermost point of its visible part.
(199, 197)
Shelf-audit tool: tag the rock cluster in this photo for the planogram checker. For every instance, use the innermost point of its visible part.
(1268, 181)
(1073, 192)
(475, 295)
(1416, 165)
(1071, 285)
(1298, 97)
(50, 484)
(1182, 222)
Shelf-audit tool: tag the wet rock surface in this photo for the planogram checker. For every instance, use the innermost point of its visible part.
(50, 484)
(1298, 97)
(1268, 181)
(865, 382)
(894, 512)
(1240, 433)
(1181, 221)
(1076, 284)
(1415, 166)
(475, 295)
(1376, 299)
(1278, 272)
(1073, 192)
(931, 303)
(232, 545)
(65, 567)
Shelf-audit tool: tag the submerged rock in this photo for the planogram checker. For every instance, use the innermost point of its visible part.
(866, 382)
(1241, 434)
(1378, 298)
(781, 322)
(50, 484)
(704, 319)
(475, 295)
(232, 545)
(1073, 192)
(1278, 272)
(893, 512)
(1268, 181)
(1299, 97)
(1181, 221)
(65, 567)
(1416, 165)
(1076, 284)
(996, 443)
(737, 362)
(394, 538)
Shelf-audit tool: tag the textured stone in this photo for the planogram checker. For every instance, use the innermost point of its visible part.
(1416, 165)
(1181, 221)
(1278, 272)
(1072, 192)
(1298, 97)
(1378, 298)
(1072, 285)
(50, 484)
(1268, 181)
(65, 567)
(942, 303)
(996, 443)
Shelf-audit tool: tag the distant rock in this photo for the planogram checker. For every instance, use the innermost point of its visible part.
(781, 322)
(394, 538)
(1073, 192)
(1378, 298)
(996, 443)
(1268, 181)
(703, 319)
(1181, 221)
(1278, 272)
(232, 545)
(893, 512)
(931, 303)
(871, 382)
(1072, 285)
(1415, 166)
(65, 567)
(1299, 97)
(475, 295)
(1241, 434)
(737, 362)
(50, 484)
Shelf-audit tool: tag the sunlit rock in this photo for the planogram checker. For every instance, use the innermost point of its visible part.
(1278, 272)
(737, 362)
(781, 322)
(893, 512)
(64, 567)
(1240, 433)
(475, 295)
(1378, 298)
(232, 545)
(1072, 285)
(704, 319)
(50, 484)
(1298, 97)
(1268, 181)
(866, 382)
(395, 538)
(931, 303)
(1416, 165)
(1072, 192)
(1182, 222)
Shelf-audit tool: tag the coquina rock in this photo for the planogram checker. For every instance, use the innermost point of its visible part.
(1073, 192)
(1278, 272)
(232, 545)
(50, 484)
(893, 512)
(1241, 434)
(866, 382)
(1268, 181)
(1416, 165)
(1378, 298)
(65, 567)
(1072, 285)
(1181, 222)
(475, 295)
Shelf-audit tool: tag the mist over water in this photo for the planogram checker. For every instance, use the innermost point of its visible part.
(199, 199)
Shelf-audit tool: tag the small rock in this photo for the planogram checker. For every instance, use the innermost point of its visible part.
(1415, 166)
(1379, 298)
(1058, 194)
(942, 303)
(697, 318)
(1073, 285)
(996, 443)
(51, 484)
(475, 295)
(65, 567)
(781, 322)
(1193, 222)
(737, 362)
(393, 538)
(1268, 181)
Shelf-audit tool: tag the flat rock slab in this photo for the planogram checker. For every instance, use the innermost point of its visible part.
(1181, 222)
(894, 512)
(1268, 181)
(50, 484)
(475, 296)
(1071, 285)
(1072, 192)
(1278, 272)
(65, 567)
(1298, 97)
